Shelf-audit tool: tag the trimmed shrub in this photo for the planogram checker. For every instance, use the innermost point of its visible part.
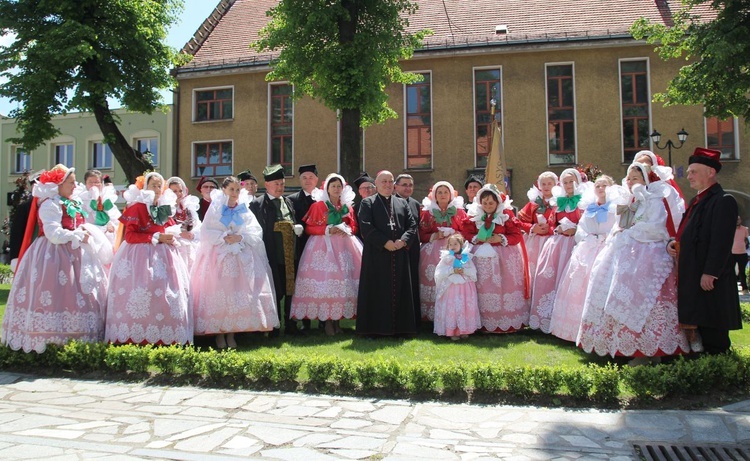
(286, 368)
(390, 375)
(320, 369)
(82, 357)
(345, 373)
(166, 359)
(578, 382)
(191, 362)
(455, 377)
(606, 381)
(422, 377)
(648, 381)
(128, 357)
(519, 381)
(260, 367)
(547, 380)
(487, 378)
(367, 372)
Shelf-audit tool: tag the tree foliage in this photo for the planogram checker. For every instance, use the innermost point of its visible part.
(717, 54)
(343, 53)
(71, 55)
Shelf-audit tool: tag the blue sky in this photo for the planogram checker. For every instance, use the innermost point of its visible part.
(195, 12)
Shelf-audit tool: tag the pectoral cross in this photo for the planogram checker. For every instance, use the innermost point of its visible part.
(391, 224)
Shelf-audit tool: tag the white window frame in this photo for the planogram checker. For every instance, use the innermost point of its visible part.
(54, 146)
(14, 151)
(474, 105)
(619, 102)
(148, 135)
(106, 148)
(269, 143)
(432, 124)
(193, 165)
(575, 112)
(211, 88)
(736, 139)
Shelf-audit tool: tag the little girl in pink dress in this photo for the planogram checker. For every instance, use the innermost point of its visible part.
(456, 307)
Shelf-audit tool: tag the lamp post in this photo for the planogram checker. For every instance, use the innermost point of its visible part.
(681, 136)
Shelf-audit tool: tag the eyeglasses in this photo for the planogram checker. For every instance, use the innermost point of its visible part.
(208, 186)
(366, 187)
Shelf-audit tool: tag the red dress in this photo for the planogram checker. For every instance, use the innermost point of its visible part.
(502, 273)
(534, 242)
(328, 275)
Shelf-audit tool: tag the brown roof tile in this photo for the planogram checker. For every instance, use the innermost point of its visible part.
(224, 38)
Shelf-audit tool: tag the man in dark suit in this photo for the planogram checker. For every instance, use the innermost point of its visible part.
(302, 201)
(365, 187)
(270, 208)
(707, 299)
(404, 187)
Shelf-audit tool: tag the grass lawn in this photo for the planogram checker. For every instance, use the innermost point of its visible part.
(523, 348)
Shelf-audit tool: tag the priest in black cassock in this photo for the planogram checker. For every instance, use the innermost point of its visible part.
(385, 304)
(404, 188)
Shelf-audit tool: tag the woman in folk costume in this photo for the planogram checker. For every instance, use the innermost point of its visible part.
(99, 203)
(186, 215)
(328, 276)
(231, 283)
(148, 289)
(456, 308)
(60, 287)
(599, 216)
(537, 217)
(631, 302)
(442, 215)
(673, 197)
(500, 259)
(557, 249)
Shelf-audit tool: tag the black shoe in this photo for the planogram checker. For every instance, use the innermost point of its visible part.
(294, 331)
(274, 333)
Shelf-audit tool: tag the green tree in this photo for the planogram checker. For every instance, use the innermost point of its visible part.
(717, 52)
(75, 54)
(343, 53)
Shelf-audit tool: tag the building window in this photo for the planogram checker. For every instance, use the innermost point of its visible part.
(101, 156)
(561, 117)
(64, 154)
(21, 160)
(213, 158)
(214, 104)
(486, 88)
(419, 124)
(720, 135)
(282, 127)
(148, 146)
(635, 107)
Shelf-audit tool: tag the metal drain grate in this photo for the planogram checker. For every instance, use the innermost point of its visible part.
(646, 451)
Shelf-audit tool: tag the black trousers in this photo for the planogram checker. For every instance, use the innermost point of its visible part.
(715, 340)
(283, 302)
(741, 261)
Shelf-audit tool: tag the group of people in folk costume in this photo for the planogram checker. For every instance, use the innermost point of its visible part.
(587, 260)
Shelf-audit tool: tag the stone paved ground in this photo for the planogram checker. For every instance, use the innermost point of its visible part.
(64, 419)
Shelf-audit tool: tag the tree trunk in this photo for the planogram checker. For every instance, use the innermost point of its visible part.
(133, 163)
(351, 147)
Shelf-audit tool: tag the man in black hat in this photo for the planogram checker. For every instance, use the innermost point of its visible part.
(205, 187)
(365, 187)
(249, 182)
(23, 202)
(302, 201)
(404, 187)
(707, 299)
(271, 208)
(472, 186)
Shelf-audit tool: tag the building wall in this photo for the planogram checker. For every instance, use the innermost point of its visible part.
(81, 129)
(597, 106)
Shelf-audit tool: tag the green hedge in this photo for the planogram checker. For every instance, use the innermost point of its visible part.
(606, 384)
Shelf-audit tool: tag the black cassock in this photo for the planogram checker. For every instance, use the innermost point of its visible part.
(416, 209)
(385, 303)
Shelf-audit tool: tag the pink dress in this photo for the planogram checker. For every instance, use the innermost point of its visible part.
(429, 254)
(591, 234)
(502, 272)
(328, 276)
(456, 307)
(534, 242)
(231, 286)
(60, 287)
(631, 301)
(148, 290)
(550, 266)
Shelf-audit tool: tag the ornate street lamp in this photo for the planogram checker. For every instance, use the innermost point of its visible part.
(681, 136)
